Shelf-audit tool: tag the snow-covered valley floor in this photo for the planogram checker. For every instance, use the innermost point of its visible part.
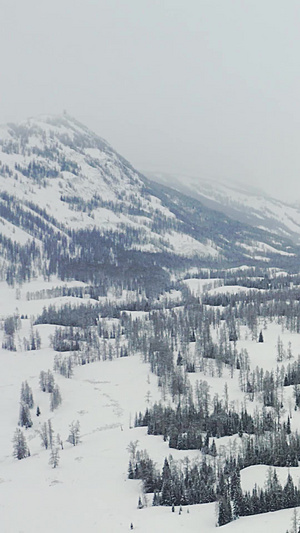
(89, 491)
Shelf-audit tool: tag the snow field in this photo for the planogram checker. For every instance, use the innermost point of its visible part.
(89, 490)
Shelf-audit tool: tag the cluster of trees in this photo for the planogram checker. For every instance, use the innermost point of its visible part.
(57, 292)
(189, 482)
(37, 171)
(47, 384)
(233, 503)
(34, 342)
(185, 426)
(11, 325)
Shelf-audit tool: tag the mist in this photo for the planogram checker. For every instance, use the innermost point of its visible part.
(207, 88)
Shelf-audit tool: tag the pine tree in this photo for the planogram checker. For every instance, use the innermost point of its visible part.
(289, 496)
(20, 448)
(166, 490)
(38, 340)
(288, 426)
(156, 499)
(55, 398)
(261, 337)
(50, 432)
(26, 394)
(44, 435)
(25, 418)
(130, 471)
(54, 457)
(140, 503)
(213, 449)
(236, 494)
(225, 514)
(179, 359)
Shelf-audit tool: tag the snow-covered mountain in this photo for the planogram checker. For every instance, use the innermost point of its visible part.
(69, 202)
(77, 178)
(239, 201)
(130, 323)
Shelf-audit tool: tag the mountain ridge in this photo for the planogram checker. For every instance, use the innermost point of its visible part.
(73, 194)
(241, 202)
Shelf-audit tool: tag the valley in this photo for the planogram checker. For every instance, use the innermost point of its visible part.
(150, 349)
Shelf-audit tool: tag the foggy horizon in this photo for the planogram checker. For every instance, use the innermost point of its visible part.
(203, 88)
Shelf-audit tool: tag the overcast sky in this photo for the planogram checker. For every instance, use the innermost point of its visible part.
(202, 87)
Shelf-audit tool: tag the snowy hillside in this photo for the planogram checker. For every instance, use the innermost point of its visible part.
(78, 179)
(239, 201)
(89, 487)
(63, 187)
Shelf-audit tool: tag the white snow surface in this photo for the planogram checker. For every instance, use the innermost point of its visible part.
(89, 490)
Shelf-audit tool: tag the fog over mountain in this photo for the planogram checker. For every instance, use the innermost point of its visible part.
(206, 88)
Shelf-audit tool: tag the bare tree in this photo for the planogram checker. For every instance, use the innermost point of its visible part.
(74, 432)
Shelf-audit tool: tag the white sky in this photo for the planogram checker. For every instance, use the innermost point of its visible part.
(205, 87)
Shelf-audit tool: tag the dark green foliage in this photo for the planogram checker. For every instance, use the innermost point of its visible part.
(184, 427)
(225, 514)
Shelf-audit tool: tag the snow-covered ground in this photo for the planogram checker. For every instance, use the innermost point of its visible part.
(89, 490)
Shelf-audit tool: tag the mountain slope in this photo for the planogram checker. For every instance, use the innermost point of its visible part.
(240, 202)
(70, 205)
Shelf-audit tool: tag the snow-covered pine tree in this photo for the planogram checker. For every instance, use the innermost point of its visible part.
(225, 513)
(24, 417)
(20, 448)
(44, 435)
(50, 432)
(54, 457)
(55, 398)
(26, 394)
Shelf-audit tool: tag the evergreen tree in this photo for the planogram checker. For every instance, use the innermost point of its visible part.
(140, 503)
(26, 394)
(54, 457)
(44, 435)
(55, 398)
(236, 494)
(166, 490)
(20, 448)
(24, 417)
(225, 514)
(50, 432)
